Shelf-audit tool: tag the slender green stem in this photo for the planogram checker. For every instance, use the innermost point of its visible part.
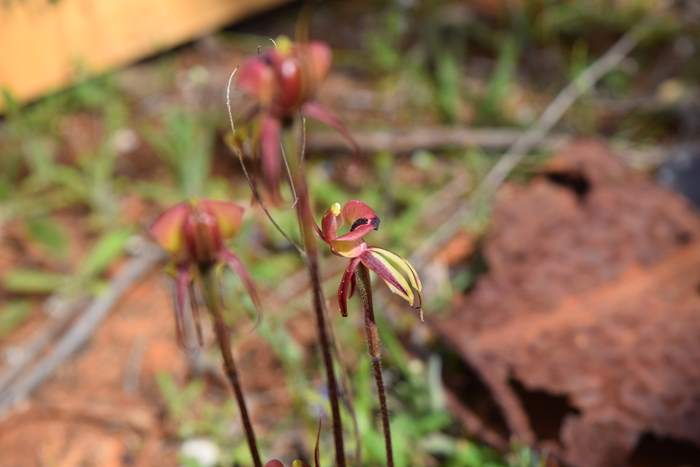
(364, 287)
(307, 226)
(222, 338)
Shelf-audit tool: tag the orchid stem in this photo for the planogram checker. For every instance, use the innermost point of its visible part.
(222, 338)
(307, 226)
(364, 287)
(239, 153)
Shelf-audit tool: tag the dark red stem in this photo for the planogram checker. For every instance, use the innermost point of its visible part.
(364, 288)
(307, 226)
(222, 338)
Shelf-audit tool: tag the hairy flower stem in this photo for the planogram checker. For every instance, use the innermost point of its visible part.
(211, 298)
(307, 226)
(364, 287)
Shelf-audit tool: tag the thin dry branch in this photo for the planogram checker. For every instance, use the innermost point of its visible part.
(436, 138)
(27, 352)
(527, 141)
(407, 140)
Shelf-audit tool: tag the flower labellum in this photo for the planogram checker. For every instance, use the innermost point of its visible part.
(396, 272)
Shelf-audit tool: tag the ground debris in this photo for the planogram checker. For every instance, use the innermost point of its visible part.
(584, 329)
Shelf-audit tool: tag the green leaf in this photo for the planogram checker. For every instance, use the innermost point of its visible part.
(49, 234)
(500, 82)
(29, 281)
(9, 101)
(106, 250)
(12, 315)
(448, 78)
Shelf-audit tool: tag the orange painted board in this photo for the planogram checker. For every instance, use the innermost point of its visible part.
(44, 42)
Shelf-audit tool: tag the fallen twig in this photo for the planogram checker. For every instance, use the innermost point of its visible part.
(408, 140)
(82, 329)
(18, 358)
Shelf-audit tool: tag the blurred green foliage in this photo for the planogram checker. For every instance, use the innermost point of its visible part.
(447, 63)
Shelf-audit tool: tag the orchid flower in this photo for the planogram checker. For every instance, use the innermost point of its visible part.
(284, 82)
(194, 233)
(396, 272)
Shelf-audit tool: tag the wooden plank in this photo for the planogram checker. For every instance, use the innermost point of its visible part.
(43, 43)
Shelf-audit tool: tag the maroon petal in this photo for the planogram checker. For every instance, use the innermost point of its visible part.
(357, 233)
(317, 450)
(257, 78)
(353, 283)
(369, 260)
(270, 130)
(182, 283)
(346, 283)
(314, 110)
(196, 316)
(356, 209)
(237, 266)
(329, 223)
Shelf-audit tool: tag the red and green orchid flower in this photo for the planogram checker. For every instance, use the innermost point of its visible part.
(396, 272)
(284, 82)
(194, 233)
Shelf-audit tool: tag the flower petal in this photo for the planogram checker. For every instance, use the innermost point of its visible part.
(228, 215)
(274, 463)
(348, 249)
(358, 232)
(345, 284)
(314, 110)
(403, 263)
(258, 79)
(319, 56)
(317, 456)
(352, 285)
(196, 315)
(182, 283)
(291, 85)
(356, 209)
(167, 228)
(270, 130)
(237, 266)
(408, 272)
(329, 223)
(389, 274)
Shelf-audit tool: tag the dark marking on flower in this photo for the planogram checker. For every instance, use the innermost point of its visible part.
(359, 222)
(364, 221)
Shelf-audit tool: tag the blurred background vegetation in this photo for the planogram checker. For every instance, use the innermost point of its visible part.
(85, 170)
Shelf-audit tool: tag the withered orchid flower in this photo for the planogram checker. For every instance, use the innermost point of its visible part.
(396, 272)
(194, 233)
(284, 81)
